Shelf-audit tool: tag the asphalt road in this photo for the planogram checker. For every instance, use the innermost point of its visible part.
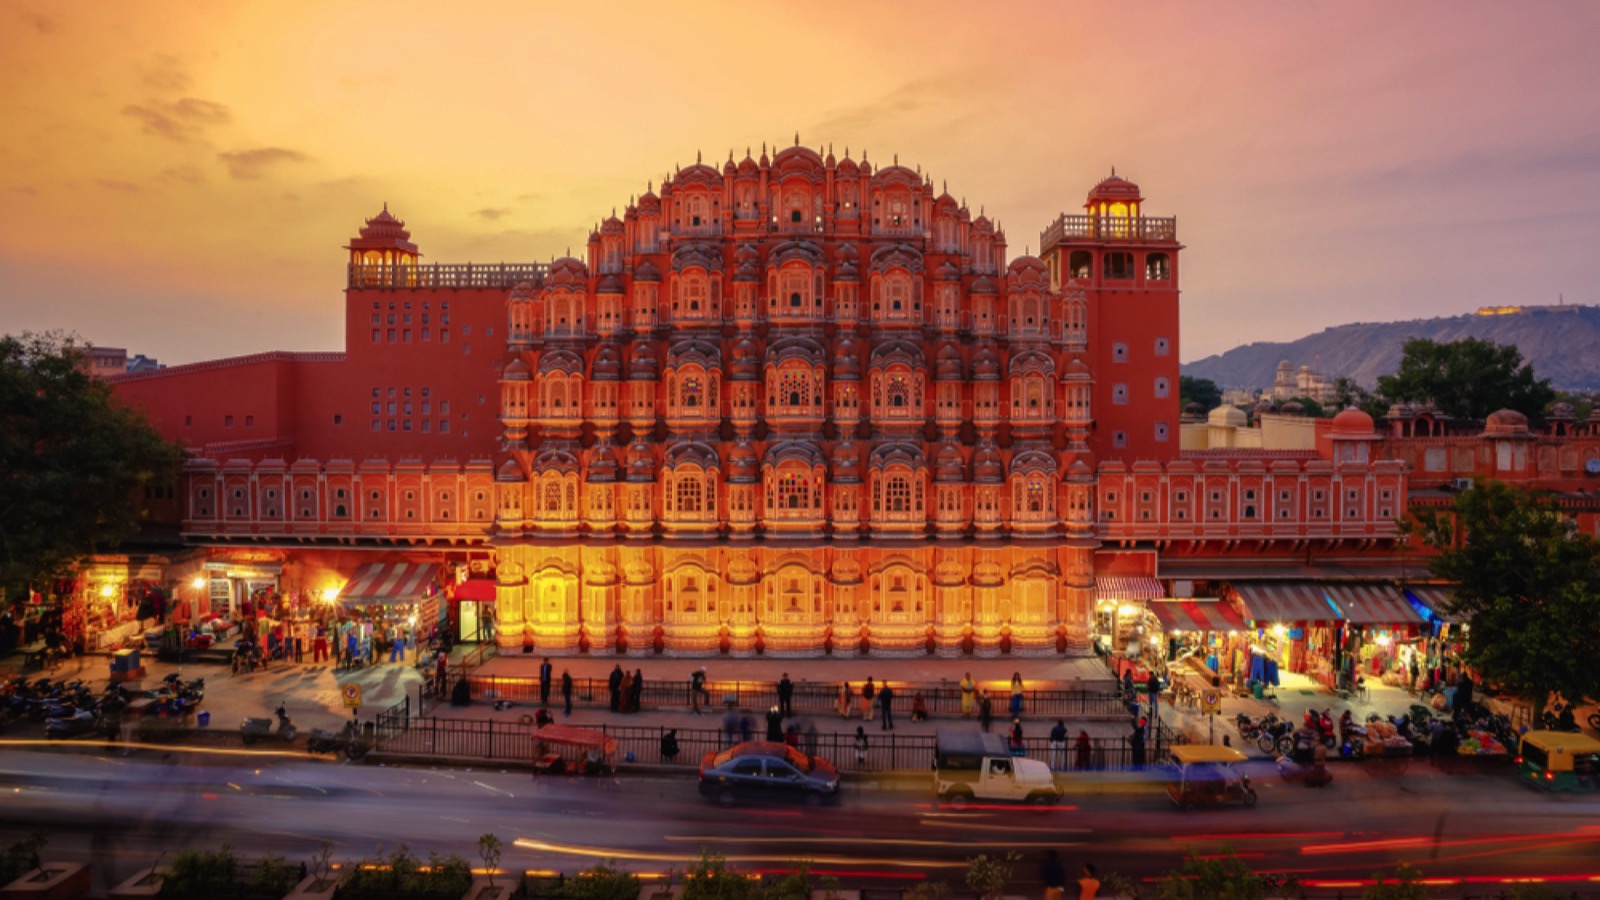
(125, 811)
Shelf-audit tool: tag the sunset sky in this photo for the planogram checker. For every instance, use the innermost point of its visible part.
(178, 177)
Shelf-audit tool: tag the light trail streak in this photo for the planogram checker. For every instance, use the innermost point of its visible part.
(686, 859)
(165, 748)
(852, 841)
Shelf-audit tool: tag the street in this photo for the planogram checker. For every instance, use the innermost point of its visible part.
(126, 811)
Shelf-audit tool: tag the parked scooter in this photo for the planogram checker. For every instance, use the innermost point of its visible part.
(1276, 736)
(77, 722)
(255, 728)
(1301, 765)
(346, 741)
(1321, 724)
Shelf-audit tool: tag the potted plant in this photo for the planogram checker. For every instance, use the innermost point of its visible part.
(320, 881)
(403, 874)
(484, 888)
(24, 872)
(988, 875)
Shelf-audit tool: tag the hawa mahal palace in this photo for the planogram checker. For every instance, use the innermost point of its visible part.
(795, 405)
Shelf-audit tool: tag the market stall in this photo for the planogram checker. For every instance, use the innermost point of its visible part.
(379, 608)
(1121, 629)
(1209, 631)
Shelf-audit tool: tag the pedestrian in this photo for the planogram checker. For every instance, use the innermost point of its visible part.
(1016, 737)
(1083, 749)
(1136, 743)
(1416, 674)
(669, 745)
(861, 746)
(1461, 703)
(625, 692)
(299, 645)
(786, 695)
(441, 673)
(1058, 745)
(968, 689)
(811, 737)
(747, 726)
(730, 725)
(566, 691)
(542, 718)
(791, 735)
(697, 689)
(319, 646)
(350, 646)
(919, 707)
(985, 711)
(868, 693)
(1053, 874)
(545, 672)
(886, 703)
(774, 725)
(636, 696)
(1127, 682)
(1089, 884)
(397, 645)
(843, 704)
(614, 683)
(1016, 695)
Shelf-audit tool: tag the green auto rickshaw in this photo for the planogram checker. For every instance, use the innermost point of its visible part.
(1559, 761)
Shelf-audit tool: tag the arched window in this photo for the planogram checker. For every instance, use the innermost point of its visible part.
(898, 391)
(552, 497)
(691, 391)
(794, 491)
(897, 494)
(690, 499)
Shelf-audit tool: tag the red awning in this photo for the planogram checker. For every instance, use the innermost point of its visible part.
(1197, 615)
(1119, 587)
(573, 736)
(1285, 601)
(1372, 604)
(479, 589)
(393, 582)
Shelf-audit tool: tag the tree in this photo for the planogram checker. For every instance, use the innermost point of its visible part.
(988, 875)
(489, 852)
(1347, 394)
(1529, 585)
(72, 461)
(1467, 378)
(1203, 391)
(1308, 406)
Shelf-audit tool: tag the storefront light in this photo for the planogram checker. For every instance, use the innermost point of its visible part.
(330, 594)
(198, 583)
(1127, 609)
(1280, 630)
(1384, 640)
(108, 591)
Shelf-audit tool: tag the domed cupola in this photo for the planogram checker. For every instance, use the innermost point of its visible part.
(607, 365)
(947, 271)
(845, 268)
(567, 272)
(846, 463)
(641, 463)
(948, 367)
(609, 284)
(743, 467)
(948, 465)
(647, 271)
(985, 363)
(745, 361)
(603, 463)
(516, 371)
(642, 366)
(983, 284)
(747, 264)
(846, 363)
(986, 465)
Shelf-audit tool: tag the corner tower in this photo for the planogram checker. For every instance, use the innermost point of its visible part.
(382, 255)
(1126, 263)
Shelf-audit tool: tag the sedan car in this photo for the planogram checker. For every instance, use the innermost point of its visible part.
(761, 770)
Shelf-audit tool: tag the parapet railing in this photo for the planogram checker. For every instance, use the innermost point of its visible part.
(444, 275)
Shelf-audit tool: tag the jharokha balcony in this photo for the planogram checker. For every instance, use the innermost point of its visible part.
(1107, 228)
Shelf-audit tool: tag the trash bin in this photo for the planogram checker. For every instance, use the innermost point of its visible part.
(1258, 690)
(204, 718)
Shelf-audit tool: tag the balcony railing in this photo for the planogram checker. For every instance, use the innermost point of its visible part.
(1107, 228)
(445, 275)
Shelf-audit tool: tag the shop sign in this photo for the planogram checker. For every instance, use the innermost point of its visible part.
(352, 695)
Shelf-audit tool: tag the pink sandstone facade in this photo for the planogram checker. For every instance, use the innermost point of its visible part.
(796, 405)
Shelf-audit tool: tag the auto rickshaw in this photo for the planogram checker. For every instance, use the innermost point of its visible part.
(1559, 761)
(1204, 775)
(559, 749)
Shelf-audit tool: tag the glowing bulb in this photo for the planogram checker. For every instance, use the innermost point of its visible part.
(1280, 630)
(198, 582)
(330, 594)
(107, 591)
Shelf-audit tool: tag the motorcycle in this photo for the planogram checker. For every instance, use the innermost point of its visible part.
(1276, 736)
(1321, 724)
(346, 741)
(255, 728)
(1300, 766)
(76, 723)
(1249, 729)
(1560, 717)
(1352, 737)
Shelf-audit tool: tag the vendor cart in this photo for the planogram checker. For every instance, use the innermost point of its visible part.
(559, 749)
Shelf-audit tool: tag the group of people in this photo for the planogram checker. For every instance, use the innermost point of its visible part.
(1053, 873)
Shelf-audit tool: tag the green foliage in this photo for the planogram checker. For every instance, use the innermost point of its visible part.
(1309, 406)
(1347, 393)
(489, 852)
(402, 872)
(1203, 391)
(928, 889)
(604, 881)
(1531, 892)
(1528, 582)
(1403, 886)
(711, 879)
(988, 875)
(1467, 378)
(72, 460)
(275, 876)
(201, 873)
(1115, 884)
(794, 886)
(23, 856)
(1221, 878)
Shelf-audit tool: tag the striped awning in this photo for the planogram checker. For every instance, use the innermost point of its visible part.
(1197, 615)
(1372, 604)
(1125, 587)
(1281, 602)
(1436, 599)
(394, 582)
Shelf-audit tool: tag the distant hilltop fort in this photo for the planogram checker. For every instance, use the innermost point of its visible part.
(1519, 310)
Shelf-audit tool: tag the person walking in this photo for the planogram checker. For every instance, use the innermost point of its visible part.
(730, 726)
(1058, 745)
(1053, 874)
(985, 711)
(886, 704)
(1083, 748)
(544, 682)
(566, 692)
(1153, 688)
(969, 689)
(669, 745)
(1089, 883)
(1136, 744)
(747, 726)
(614, 682)
(868, 692)
(774, 725)
(441, 673)
(812, 737)
(697, 689)
(625, 692)
(1016, 737)
(786, 695)
(861, 746)
(636, 698)
(1127, 682)
(1016, 695)
(843, 704)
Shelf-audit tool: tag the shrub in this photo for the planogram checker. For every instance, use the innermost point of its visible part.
(201, 873)
(604, 881)
(1224, 878)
